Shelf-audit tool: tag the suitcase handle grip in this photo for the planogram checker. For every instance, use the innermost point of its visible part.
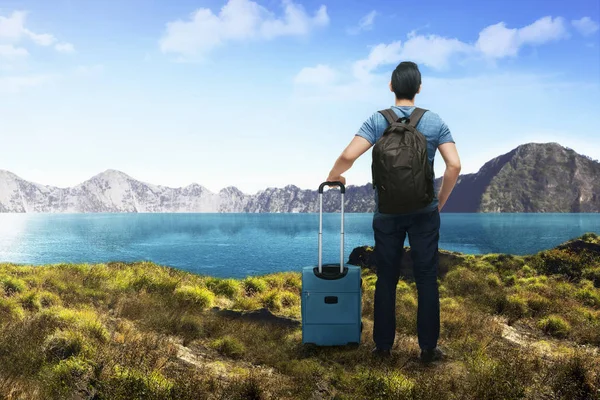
(331, 299)
(342, 190)
(332, 183)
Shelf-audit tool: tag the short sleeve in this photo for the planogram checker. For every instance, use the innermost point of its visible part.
(367, 130)
(445, 135)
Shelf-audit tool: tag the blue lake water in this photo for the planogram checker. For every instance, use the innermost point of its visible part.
(237, 245)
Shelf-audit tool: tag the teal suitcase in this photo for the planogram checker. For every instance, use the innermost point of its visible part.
(331, 304)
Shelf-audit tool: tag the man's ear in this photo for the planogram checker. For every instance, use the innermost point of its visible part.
(390, 85)
(419, 91)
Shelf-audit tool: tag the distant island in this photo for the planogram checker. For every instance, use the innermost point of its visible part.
(513, 327)
(534, 177)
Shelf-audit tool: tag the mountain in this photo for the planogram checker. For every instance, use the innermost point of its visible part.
(534, 177)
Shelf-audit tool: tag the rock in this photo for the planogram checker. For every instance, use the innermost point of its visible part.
(364, 257)
(260, 315)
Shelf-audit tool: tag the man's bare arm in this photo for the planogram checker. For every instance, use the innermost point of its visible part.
(450, 156)
(357, 147)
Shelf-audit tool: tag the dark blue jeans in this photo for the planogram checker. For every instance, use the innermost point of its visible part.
(423, 235)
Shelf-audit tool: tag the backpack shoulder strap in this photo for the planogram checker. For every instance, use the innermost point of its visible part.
(390, 115)
(416, 115)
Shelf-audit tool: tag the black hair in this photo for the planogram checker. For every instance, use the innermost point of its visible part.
(406, 80)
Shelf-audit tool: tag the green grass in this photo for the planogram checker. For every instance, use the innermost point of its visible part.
(116, 330)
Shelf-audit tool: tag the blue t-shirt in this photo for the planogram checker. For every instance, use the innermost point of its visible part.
(430, 125)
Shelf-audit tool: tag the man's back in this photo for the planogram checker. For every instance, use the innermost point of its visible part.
(431, 126)
(421, 226)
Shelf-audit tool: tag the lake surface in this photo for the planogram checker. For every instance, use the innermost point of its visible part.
(237, 245)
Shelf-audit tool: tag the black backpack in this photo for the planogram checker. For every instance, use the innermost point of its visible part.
(401, 170)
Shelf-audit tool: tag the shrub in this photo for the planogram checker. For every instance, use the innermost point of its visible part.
(571, 378)
(154, 284)
(369, 281)
(554, 325)
(593, 274)
(229, 346)
(510, 280)
(48, 299)
(10, 310)
(61, 379)
(505, 264)
(246, 303)
(13, 285)
(559, 262)
(194, 296)
(527, 271)
(64, 344)
(189, 327)
(504, 375)
(254, 285)
(128, 383)
(589, 296)
(516, 307)
(464, 282)
(30, 301)
(306, 368)
(400, 288)
(406, 307)
(590, 237)
(86, 320)
(272, 300)
(493, 280)
(376, 384)
(538, 304)
(229, 288)
(275, 280)
(210, 282)
(293, 281)
(289, 299)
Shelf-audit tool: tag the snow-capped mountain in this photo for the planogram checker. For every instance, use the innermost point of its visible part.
(534, 177)
(115, 191)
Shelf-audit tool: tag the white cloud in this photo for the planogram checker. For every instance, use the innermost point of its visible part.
(319, 75)
(586, 26)
(498, 41)
(10, 52)
(362, 80)
(365, 24)
(42, 39)
(380, 55)
(543, 30)
(88, 70)
(237, 20)
(14, 84)
(433, 51)
(13, 30)
(64, 48)
(296, 21)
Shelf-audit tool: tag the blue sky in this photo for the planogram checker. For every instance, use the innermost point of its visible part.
(268, 93)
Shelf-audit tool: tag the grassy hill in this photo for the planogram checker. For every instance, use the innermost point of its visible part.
(514, 328)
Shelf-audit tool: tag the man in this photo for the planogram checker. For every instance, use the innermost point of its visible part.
(422, 226)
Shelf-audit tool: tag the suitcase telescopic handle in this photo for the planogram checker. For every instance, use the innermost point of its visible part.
(342, 190)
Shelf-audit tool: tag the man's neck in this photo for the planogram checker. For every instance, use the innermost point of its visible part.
(404, 102)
